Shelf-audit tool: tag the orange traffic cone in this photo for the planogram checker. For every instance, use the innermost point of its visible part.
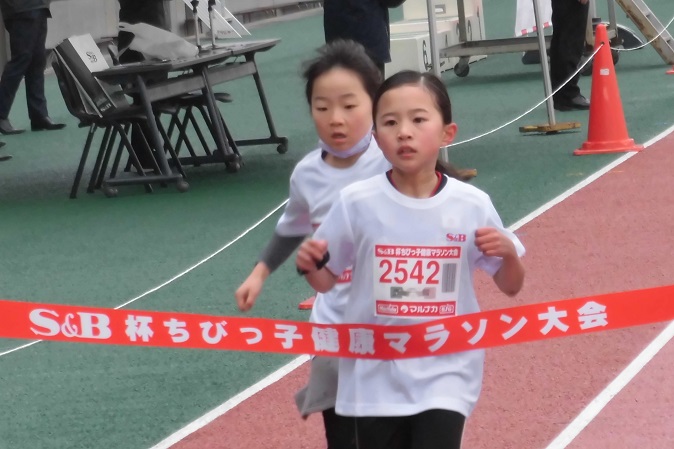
(607, 131)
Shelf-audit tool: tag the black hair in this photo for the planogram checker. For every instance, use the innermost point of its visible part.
(439, 93)
(345, 54)
(427, 80)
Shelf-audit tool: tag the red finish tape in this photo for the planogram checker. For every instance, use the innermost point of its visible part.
(54, 322)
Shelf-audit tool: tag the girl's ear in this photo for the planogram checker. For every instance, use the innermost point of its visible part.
(449, 132)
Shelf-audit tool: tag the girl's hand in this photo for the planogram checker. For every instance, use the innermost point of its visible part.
(492, 243)
(510, 277)
(248, 292)
(311, 252)
(311, 257)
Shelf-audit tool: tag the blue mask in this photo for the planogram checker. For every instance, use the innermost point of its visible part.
(360, 146)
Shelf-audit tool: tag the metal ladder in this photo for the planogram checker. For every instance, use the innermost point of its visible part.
(650, 26)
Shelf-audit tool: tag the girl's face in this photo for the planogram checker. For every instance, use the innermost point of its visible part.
(410, 130)
(341, 108)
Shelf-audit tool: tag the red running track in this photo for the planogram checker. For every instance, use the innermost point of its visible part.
(614, 235)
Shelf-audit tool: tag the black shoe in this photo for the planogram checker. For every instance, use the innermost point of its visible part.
(531, 57)
(4, 157)
(45, 124)
(7, 128)
(577, 102)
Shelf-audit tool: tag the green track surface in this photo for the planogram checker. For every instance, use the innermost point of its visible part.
(102, 252)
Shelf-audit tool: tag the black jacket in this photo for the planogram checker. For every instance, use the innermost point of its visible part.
(146, 11)
(364, 21)
(12, 7)
(151, 12)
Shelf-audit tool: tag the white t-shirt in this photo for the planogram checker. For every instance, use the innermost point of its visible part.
(413, 262)
(314, 187)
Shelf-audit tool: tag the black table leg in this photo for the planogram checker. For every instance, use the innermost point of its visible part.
(273, 137)
(155, 137)
(231, 159)
(165, 172)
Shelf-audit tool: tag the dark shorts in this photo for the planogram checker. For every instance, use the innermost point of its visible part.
(432, 429)
(340, 431)
(319, 396)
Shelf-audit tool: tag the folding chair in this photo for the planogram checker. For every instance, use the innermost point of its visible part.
(116, 122)
(187, 103)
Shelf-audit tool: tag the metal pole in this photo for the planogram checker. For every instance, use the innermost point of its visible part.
(612, 19)
(461, 10)
(435, 57)
(544, 63)
(211, 4)
(432, 37)
(195, 13)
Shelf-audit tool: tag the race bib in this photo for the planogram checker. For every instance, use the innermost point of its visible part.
(416, 281)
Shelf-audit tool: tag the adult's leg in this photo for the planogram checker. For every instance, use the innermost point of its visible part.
(437, 429)
(35, 99)
(153, 13)
(21, 43)
(569, 22)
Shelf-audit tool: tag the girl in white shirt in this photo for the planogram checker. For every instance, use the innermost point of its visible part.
(389, 229)
(340, 85)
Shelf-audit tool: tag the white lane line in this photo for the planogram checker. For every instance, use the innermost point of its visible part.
(595, 406)
(177, 276)
(587, 181)
(19, 348)
(230, 404)
(625, 377)
(287, 369)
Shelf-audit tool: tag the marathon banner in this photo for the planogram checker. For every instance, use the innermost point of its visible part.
(527, 323)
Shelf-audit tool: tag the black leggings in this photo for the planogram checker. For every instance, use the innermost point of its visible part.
(432, 429)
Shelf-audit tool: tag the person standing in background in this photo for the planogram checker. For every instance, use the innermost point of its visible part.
(26, 23)
(569, 22)
(364, 21)
(152, 12)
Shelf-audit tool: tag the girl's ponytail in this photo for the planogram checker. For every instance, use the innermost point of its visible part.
(448, 169)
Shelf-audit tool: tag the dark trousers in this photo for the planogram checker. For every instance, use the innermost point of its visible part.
(340, 431)
(432, 429)
(152, 12)
(27, 37)
(569, 22)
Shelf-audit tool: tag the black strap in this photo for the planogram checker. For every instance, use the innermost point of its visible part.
(320, 264)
